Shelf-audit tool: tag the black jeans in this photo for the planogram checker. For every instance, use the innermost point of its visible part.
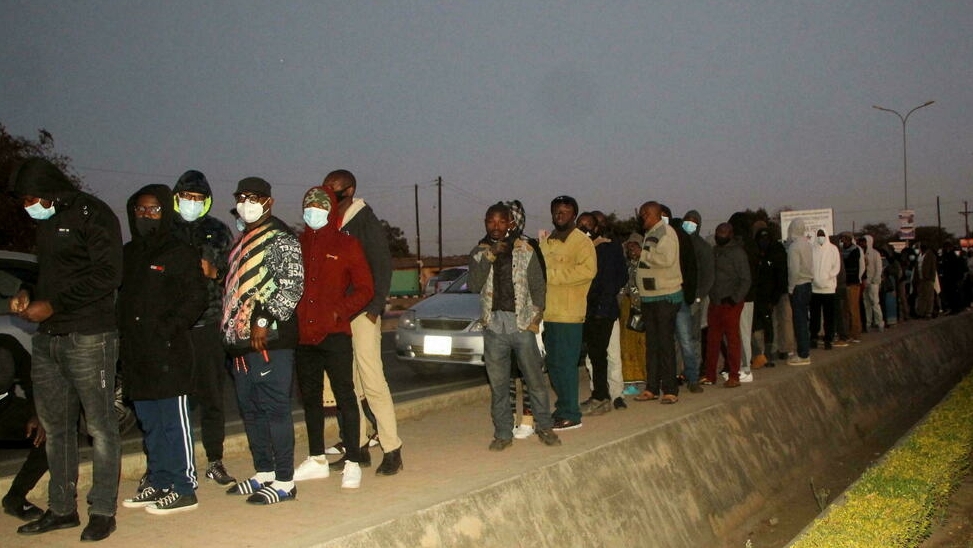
(209, 375)
(597, 332)
(333, 356)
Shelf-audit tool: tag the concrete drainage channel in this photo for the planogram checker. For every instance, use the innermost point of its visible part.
(698, 480)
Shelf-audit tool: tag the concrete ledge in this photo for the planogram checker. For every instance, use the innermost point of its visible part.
(692, 481)
(691, 474)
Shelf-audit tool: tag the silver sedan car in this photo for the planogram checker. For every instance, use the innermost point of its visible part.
(444, 328)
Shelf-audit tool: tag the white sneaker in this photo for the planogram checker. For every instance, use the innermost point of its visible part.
(746, 377)
(373, 440)
(523, 431)
(311, 469)
(336, 449)
(725, 375)
(351, 476)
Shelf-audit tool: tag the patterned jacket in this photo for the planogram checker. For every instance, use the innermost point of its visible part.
(265, 279)
(528, 279)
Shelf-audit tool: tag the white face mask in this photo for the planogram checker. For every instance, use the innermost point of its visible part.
(250, 213)
(190, 210)
(315, 217)
(240, 225)
(39, 212)
(821, 240)
(665, 220)
(689, 226)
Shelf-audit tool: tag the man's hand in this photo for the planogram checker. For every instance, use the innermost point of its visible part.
(258, 338)
(371, 317)
(19, 302)
(35, 430)
(37, 311)
(208, 269)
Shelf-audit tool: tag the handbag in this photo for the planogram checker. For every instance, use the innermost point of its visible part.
(635, 322)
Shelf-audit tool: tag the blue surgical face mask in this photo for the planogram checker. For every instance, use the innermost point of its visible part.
(690, 227)
(315, 217)
(240, 225)
(39, 212)
(190, 210)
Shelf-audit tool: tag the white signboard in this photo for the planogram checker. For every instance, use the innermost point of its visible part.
(813, 220)
(907, 224)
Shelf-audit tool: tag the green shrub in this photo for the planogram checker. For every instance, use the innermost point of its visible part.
(897, 501)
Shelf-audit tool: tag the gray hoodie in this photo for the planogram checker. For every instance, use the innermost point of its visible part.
(799, 263)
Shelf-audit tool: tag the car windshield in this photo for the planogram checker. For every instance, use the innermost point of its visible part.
(459, 286)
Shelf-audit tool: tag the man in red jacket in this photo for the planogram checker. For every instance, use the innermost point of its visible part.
(337, 287)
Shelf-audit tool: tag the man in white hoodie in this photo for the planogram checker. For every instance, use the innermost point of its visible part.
(872, 281)
(826, 264)
(800, 274)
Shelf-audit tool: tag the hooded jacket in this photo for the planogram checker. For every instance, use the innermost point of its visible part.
(337, 281)
(360, 221)
(211, 238)
(826, 264)
(732, 273)
(79, 252)
(800, 270)
(163, 293)
(873, 262)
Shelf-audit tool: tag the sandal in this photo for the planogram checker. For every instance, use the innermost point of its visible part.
(646, 396)
(670, 398)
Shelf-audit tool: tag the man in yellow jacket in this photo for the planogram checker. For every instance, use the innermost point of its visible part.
(571, 265)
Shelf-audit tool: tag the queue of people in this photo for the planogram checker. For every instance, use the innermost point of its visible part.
(185, 299)
(175, 307)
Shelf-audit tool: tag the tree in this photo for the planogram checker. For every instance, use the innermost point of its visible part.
(934, 236)
(16, 227)
(398, 244)
(880, 232)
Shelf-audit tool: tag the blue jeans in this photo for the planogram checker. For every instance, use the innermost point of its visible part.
(496, 354)
(800, 308)
(70, 373)
(688, 332)
(263, 393)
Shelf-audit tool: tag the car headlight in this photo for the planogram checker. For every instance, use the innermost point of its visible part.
(476, 326)
(408, 320)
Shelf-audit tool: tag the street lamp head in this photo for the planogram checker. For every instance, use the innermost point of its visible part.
(927, 103)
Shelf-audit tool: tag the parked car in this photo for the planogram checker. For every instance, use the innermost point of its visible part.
(444, 328)
(24, 266)
(441, 281)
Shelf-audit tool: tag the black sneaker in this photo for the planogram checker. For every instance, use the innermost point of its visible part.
(548, 437)
(217, 472)
(619, 403)
(565, 424)
(695, 388)
(21, 509)
(143, 482)
(173, 503)
(146, 497)
(500, 444)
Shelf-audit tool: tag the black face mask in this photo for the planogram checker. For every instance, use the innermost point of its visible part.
(721, 241)
(146, 226)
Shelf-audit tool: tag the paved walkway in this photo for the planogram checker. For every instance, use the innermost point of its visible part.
(445, 455)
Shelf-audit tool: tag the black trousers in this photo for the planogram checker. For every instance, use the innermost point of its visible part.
(332, 355)
(14, 414)
(209, 375)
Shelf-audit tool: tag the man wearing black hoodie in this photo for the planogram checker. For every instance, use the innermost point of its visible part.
(79, 254)
(163, 293)
(193, 200)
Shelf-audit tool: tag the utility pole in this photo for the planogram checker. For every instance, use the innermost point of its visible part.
(939, 215)
(966, 218)
(418, 244)
(439, 183)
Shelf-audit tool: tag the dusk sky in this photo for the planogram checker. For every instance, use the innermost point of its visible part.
(714, 106)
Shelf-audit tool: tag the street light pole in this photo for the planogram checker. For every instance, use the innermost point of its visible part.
(905, 164)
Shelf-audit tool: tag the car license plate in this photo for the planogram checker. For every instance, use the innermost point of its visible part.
(438, 345)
